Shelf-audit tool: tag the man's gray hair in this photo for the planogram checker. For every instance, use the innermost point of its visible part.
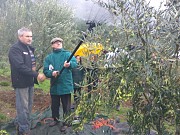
(22, 30)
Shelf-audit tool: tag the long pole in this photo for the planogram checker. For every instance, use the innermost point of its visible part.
(90, 28)
(74, 51)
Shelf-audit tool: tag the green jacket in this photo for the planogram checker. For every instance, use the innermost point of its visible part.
(54, 62)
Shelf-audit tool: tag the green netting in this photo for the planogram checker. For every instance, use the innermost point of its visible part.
(40, 126)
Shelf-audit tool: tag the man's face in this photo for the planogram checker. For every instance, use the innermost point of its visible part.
(78, 58)
(57, 45)
(26, 38)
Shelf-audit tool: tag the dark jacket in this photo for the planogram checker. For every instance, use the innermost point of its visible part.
(55, 62)
(78, 76)
(22, 75)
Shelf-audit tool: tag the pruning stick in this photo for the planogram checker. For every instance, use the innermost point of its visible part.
(70, 57)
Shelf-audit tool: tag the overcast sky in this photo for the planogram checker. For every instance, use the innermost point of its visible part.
(156, 3)
(87, 10)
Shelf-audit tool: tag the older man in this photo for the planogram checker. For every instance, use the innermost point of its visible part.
(23, 73)
(61, 85)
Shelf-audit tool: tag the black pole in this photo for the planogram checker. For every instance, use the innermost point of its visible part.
(70, 57)
(90, 28)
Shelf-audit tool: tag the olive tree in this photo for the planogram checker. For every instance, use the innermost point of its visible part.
(150, 71)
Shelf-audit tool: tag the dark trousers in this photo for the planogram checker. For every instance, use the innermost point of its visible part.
(55, 105)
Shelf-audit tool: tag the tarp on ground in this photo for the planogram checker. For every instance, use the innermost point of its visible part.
(40, 127)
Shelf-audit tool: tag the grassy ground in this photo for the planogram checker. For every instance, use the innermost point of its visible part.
(43, 86)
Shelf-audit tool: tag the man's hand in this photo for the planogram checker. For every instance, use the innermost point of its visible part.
(41, 77)
(55, 73)
(66, 64)
(34, 69)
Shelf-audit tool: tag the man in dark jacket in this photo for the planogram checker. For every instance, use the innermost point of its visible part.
(23, 72)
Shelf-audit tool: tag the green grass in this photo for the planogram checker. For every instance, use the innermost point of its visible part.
(45, 86)
(3, 118)
(5, 83)
(5, 71)
(113, 113)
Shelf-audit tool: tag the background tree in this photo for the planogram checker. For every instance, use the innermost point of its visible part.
(47, 19)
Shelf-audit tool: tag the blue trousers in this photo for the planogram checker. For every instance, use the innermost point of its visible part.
(24, 102)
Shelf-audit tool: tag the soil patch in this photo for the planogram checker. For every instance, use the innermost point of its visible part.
(7, 102)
